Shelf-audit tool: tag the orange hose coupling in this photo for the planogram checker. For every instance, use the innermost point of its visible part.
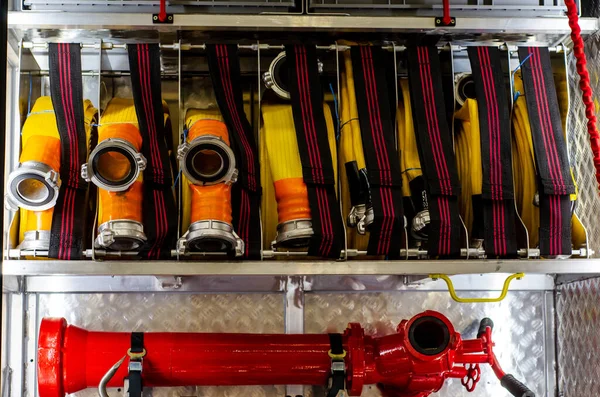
(116, 162)
(34, 185)
(294, 228)
(115, 167)
(207, 161)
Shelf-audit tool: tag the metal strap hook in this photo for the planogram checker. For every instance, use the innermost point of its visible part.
(108, 376)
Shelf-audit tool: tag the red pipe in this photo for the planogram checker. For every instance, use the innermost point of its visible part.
(162, 14)
(402, 364)
(446, 19)
(584, 83)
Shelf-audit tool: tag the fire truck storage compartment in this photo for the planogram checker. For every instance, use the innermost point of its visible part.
(545, 331)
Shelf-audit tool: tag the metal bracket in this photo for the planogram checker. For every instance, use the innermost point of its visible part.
(168, 20)
(170, 282)
(439, 22)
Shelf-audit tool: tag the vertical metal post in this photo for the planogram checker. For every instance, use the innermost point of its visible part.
(259, 137)
(180, 134)
(550, 336)
(395, 110)
(99, 118)
(339, 131)
(16, 344)
(294, 318)
(10, 137)
(30, 360)
(3, 95)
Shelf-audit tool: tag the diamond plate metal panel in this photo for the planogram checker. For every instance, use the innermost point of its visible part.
(588, 203)
(260, 313)
(521, 333)
(578, 321)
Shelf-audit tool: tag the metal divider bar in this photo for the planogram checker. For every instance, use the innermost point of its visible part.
(255, 47)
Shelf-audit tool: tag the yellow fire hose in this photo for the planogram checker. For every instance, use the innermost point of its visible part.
(351, 148)
(285, 196)
(468, 159)
(525, 179)
(191, 193)
(119, 120)
(410, 164)
(208, 170)
(40, 141)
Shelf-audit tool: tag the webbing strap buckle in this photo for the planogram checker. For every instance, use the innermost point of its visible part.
(337, 381)
(137, 352)
(133, 381)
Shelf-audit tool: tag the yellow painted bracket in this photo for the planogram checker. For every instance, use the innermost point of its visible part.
(452, 291)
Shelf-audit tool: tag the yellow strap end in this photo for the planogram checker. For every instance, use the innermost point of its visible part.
(136, 356)
(337, 356)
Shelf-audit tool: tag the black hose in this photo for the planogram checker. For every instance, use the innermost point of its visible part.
(515, 387)
(485, 322)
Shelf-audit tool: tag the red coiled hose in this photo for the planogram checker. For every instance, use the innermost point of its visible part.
(584, 84)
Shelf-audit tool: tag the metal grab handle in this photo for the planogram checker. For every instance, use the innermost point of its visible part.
(108, 376)
(452, 291)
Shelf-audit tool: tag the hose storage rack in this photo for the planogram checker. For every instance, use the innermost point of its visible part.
(543, 321)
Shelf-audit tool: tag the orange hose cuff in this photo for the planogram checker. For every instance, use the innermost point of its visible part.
(43, 149)
(38, 220)
(292, 199)
(208, 127)
(211, 203)
(125, 131)
(121, 205)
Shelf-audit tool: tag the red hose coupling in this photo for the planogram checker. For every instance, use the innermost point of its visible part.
(414, 361)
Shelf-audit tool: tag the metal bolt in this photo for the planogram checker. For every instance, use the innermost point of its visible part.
(453, 20)
(437, 21)
(155, 18)
(170, 17)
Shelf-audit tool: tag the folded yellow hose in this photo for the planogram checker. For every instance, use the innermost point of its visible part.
(119, 120)
(40, 126)
(467, 144)
(525, 183)
(410, 164)
(282, 166)
(351, 148)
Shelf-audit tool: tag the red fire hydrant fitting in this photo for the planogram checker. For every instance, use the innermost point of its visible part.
(414, 362)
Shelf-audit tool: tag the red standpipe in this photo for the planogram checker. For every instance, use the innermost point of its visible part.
(414, 362)
(447, 19)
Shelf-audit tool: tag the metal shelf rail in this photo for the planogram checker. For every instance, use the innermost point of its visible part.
(297, 268)
(338, 23)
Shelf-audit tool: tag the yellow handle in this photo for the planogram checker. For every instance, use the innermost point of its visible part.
(452, 291)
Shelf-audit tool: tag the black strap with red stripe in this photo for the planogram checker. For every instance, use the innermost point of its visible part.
(434, 142)
(224, 66)
(317, 166)
(160, 212)
(374, 101)
(66, 88)
(551, 158)
(499, 229)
